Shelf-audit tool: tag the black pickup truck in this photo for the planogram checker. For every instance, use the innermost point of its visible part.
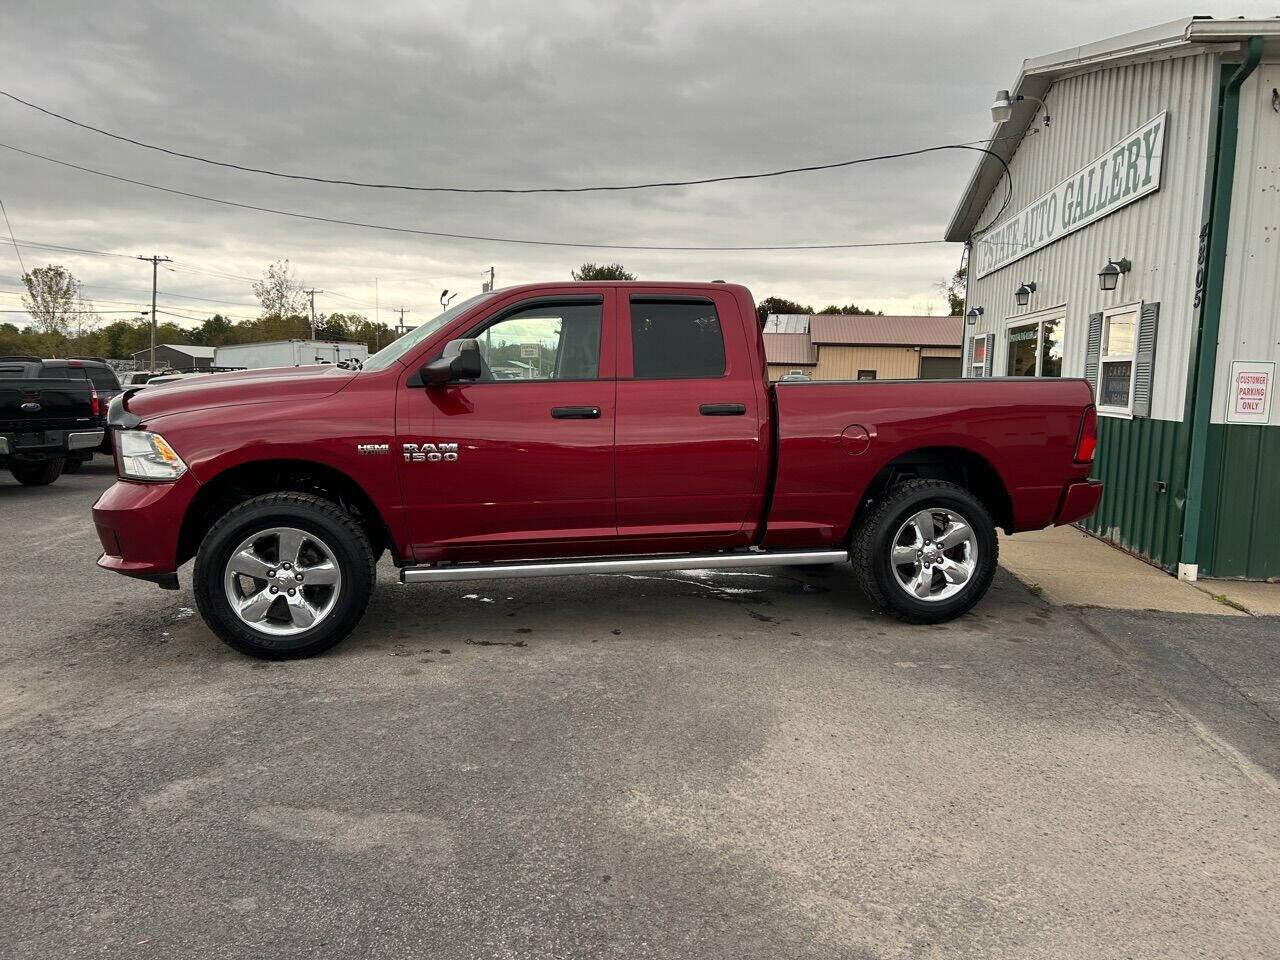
(46, 419)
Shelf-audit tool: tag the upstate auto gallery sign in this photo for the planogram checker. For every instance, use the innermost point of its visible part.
(1119, 176)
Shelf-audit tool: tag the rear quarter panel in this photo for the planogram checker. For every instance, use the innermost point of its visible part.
(1026, 429)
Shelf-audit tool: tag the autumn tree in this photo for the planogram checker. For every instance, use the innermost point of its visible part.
(280, 292)
(602, 271)
(54, 301)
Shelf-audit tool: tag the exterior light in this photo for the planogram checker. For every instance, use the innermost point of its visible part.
(1023, 294)
(1109, 276)
(973, 315)
(1001, 107)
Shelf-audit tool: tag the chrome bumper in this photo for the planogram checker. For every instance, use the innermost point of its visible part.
(84, 439)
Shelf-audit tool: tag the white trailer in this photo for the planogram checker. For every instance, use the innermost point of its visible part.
(288, 353)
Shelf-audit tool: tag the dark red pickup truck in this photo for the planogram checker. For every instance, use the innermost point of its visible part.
(577, 428)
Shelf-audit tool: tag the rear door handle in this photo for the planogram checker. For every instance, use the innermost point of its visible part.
(723, 409)
(576, 413)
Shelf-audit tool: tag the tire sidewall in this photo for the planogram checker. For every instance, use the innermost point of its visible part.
(958, 501)
(350, 550)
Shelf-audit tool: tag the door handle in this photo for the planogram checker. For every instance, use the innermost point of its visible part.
(723, 409)
(575, 413)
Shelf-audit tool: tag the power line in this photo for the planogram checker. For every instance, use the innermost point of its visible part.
(512, 190)
(467, 236)
(11, 240)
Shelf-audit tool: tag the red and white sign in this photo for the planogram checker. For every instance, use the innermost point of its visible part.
(1252, 383)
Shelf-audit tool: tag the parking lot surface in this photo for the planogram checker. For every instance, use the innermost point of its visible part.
(694, 764)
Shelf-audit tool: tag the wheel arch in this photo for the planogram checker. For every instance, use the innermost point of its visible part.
(255, 477)
(959, 465)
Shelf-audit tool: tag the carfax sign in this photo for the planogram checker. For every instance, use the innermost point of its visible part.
(1121, 175)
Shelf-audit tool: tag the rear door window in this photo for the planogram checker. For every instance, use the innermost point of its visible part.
(675, 339)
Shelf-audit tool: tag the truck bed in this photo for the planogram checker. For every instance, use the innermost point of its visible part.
(834, 439)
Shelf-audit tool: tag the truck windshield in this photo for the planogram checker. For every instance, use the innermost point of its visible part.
(398, 348)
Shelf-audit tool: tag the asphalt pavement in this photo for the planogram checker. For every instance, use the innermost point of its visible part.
(693, 764)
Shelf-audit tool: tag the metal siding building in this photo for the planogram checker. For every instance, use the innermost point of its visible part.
(1097, 96)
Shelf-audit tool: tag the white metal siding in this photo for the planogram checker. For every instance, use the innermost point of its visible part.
(1159, 233)
(1250, 327)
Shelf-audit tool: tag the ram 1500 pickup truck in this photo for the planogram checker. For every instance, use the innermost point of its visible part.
(577, 428)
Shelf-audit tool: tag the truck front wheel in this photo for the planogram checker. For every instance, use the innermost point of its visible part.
(36, 473)
(926, 552)
(284, 576)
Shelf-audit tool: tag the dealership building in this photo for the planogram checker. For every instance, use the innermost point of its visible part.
(1126, 229)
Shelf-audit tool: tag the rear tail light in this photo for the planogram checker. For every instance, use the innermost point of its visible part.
(94, 403)
(1087, 445)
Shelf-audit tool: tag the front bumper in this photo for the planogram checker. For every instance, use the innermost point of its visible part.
(139, 525)
(1079, 499)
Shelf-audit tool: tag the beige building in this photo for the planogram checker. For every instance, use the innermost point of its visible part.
(855, 347)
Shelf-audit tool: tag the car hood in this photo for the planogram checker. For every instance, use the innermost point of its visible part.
(243, 386)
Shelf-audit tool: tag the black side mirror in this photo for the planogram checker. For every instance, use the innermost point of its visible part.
(459, 361)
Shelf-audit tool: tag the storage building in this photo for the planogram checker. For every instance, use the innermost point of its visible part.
(1134, 240)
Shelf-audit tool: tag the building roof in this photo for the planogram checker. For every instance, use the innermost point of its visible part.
(861, 330)
(1174, 38)
(191, 351)
(787, 323)
(791, 348)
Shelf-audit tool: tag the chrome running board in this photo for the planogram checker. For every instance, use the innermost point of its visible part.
(562, 568)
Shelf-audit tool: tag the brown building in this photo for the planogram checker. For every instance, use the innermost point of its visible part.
(856, 347)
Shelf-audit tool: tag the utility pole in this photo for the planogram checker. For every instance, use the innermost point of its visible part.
(400, 328)
(312, 295)
(487, 286)
(156, 260)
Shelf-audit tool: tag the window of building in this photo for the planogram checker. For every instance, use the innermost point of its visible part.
(866, 374)
(675, 339)
(1116, 361)
(1035, 348)
(543, 342)
(978, 358)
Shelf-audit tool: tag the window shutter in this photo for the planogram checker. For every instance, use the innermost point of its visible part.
(1093, 350)
(965, 370)
(1145, 359)
(991, 347)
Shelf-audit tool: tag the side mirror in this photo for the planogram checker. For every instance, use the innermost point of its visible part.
(459, 361)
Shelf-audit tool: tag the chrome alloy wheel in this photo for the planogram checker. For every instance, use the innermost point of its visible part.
(933, 554)
(282, 581)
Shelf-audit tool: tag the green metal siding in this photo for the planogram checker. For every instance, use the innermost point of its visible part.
(1133, 456)
(1238, 535)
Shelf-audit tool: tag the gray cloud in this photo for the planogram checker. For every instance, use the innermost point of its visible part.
(525, 94)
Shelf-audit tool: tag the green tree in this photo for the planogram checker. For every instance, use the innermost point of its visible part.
(851, 309)
(953, 290)
(214, 332)
(602, 271)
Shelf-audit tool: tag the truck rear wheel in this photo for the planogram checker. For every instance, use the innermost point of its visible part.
(926, 552)
(284, 576)
(36, 473)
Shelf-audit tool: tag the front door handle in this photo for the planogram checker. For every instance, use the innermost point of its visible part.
(723, 409)
(575, 413)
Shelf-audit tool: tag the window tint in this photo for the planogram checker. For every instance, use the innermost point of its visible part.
(102, 378)
(543, 342)
(671, 340)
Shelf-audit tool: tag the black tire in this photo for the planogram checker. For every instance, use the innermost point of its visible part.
(75, 464)
(339, 532)
(36, 473)
(873, 541)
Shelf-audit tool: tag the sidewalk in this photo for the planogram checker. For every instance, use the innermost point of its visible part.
(1069, 567)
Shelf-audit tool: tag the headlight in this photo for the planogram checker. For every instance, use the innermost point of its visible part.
(141, 455)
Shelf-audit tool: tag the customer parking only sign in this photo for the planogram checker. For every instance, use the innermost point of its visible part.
(1252, 383)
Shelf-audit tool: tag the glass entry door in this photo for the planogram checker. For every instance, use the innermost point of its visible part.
(1034, 349)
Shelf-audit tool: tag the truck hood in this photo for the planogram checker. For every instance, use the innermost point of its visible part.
(244, 386)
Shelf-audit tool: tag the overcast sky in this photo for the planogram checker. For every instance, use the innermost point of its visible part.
(476, 93)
